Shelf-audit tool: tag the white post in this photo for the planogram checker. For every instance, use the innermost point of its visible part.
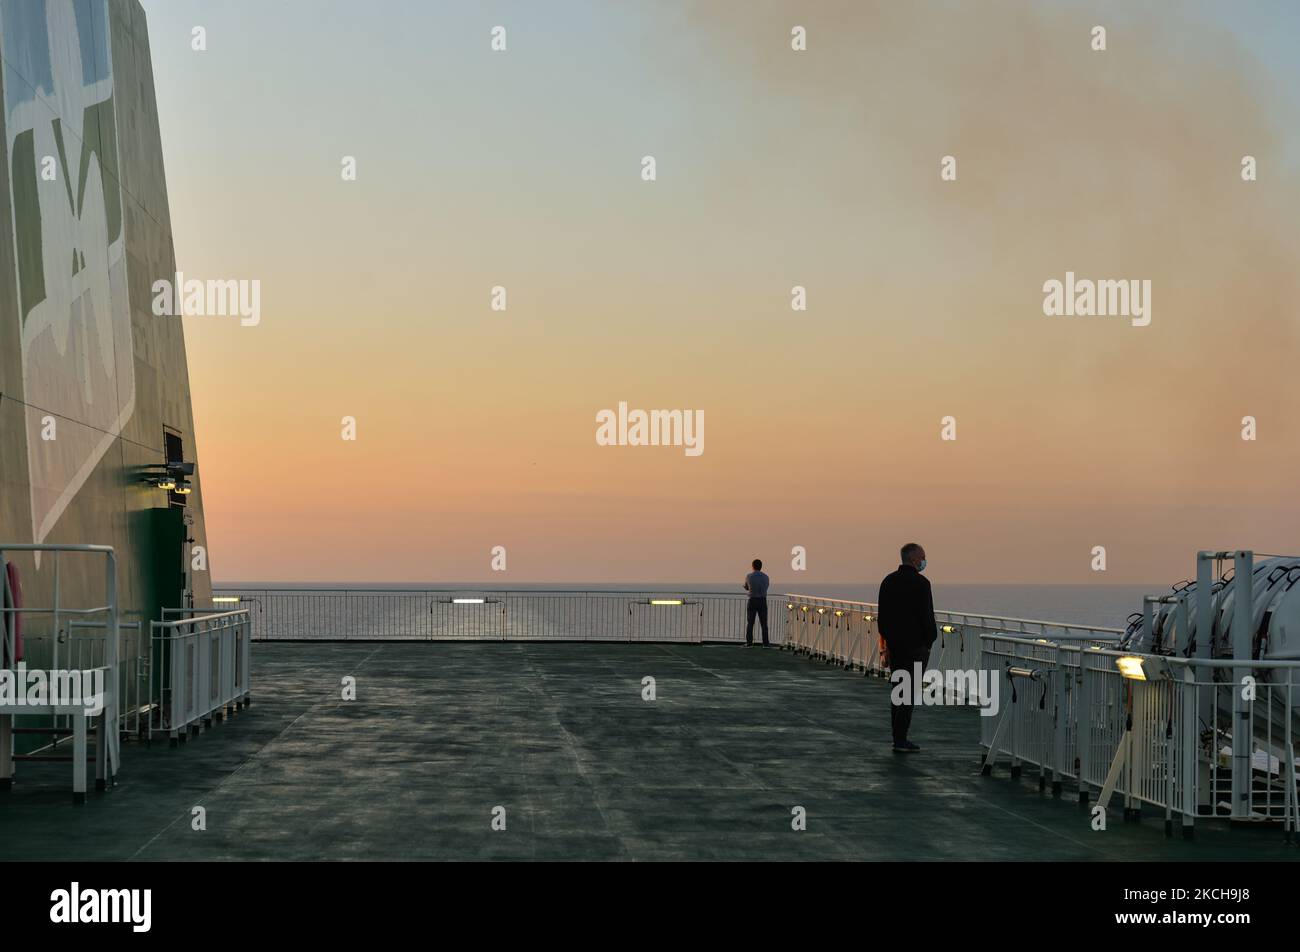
(111, 754)
(1187, 759)
(1083, 721)
(79, 757)
(1242, 637)
(1205, 649)
(1204, 604)
(54, 635)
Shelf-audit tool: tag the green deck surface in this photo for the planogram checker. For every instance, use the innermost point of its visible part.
(558, 734)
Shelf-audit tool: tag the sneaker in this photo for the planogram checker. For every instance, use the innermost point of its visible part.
(906, 747)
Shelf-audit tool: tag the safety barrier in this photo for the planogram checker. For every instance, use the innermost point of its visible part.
(835, 631)
(845, 632)
(65, 714)
(204, 669)
(81, 645)
(470, 615)
(1164, 739)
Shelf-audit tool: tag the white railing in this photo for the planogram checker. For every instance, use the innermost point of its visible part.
(204, 666)
(82, 645)
(1166, 741)
(486, 615)
(104, 722)
(835, 631)
(845, 632)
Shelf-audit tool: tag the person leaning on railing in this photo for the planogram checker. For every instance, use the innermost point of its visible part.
(756, 583)
(905, 617)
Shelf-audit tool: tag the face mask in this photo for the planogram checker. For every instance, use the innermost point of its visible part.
(921, 567)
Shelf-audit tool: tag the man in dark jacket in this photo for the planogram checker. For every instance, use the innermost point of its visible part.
(905, 617)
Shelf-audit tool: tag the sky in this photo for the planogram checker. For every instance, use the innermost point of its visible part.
(775, 168)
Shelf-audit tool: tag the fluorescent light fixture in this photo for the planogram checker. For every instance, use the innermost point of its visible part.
(666, 601)
(1130, 666)
(224, 599)
(468, 601)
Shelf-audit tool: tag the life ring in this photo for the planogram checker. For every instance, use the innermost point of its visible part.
(13, 598)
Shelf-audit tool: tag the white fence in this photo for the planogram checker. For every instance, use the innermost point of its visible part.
(59, 717)
(844, 632)
(481, 615)
(204, 670)
(1166, 741)
(81, 645)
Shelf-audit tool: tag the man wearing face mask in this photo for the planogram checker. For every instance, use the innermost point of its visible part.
(905, 617)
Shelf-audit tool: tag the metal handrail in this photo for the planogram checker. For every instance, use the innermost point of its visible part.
(198, 618)
(290, 590)
(949, 614)
(1170, 659)
(204, 667)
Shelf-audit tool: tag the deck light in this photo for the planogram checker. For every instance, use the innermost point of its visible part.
(166, 482)
(790, 606)
(666, 601)
(948, 629)
(838, 613)
(1143, 669)
(866, 618)
(183, 488)
(1130, 666)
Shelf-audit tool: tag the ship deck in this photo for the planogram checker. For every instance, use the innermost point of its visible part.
(558, 734)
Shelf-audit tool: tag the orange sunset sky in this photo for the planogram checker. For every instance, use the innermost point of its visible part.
(775, 168)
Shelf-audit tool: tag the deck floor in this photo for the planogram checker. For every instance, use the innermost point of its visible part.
(558, 734)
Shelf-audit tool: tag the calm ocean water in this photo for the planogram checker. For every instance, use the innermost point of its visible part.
(1101, 605)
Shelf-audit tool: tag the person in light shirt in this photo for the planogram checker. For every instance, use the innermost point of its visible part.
(756, 583)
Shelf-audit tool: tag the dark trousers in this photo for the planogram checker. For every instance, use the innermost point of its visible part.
(757, 608)
(900, 715)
